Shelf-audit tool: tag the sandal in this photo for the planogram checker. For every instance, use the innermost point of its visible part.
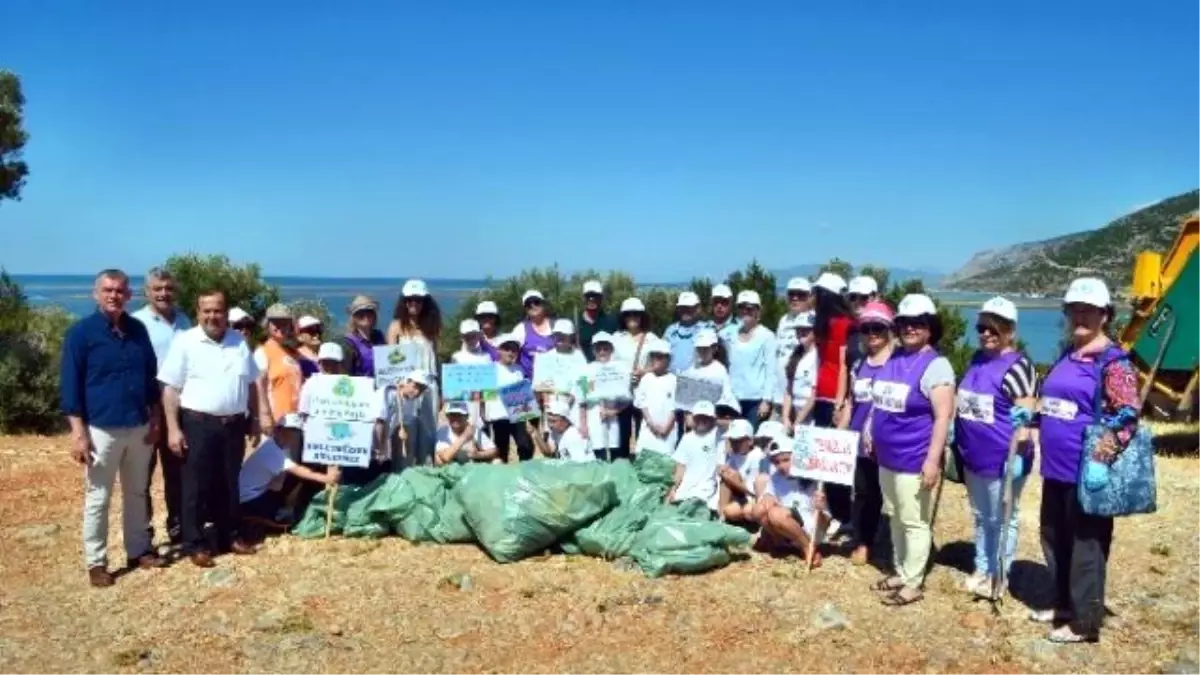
(1064, 635)
(887, 585)
(1049, 616)
(895, 599)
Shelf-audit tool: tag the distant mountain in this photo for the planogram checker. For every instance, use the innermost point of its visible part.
(1049, 266)
(931, 278)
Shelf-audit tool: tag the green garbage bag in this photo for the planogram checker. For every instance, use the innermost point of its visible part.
(518, 510)
(685, 539)
(655, 468)
(312, 525)
(417, 504)
(612, 535)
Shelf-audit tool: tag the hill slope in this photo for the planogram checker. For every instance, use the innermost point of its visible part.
(1048, 266)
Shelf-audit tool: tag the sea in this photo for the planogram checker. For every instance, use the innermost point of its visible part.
(1041, 323)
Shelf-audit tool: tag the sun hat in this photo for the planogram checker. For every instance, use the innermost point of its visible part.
(563, 327)
(722, 291)
(458, 408)
(602, 337)
(418, 377)
(706, 338)
(468, 326)
(831, 282)
(362, 303)
(876, 312)
(687, 299)
(1001, 307)
(770, 429)
(1088, 291)
(863, 285)
(487, 307)
(739, 428)
(532, 294)
(704, 409)
(330, 351)
(593, 287)
(659, 346)
(307, 321)
(415, 288)
(238, 315)
(779, 445)
(559, 408)
(799, 284)
(632, 305)
(915, 305)
(749, 298)
(278, 311)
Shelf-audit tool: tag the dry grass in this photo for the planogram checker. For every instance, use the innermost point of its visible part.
(390, 606)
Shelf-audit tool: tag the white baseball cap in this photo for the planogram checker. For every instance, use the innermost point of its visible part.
(593, 287)
(486, 307)
(722, 291)
(330, 351)
(831, 282)
(415, 288)
(1001, 307)
(706, 338)
(770, 429)
(602, 336)
(863, 286)
(307, 321)
(291, 421)
(739, 428)
(779, 445)
(799, 284)
(418, 377)
(467, 326)
(559, 408)
(915, 305)
(704, 408)
(506, 338)
(749, 298)
(1088, 291)
(805, 320)
(563, 327)
(659, 346)
(238, 315)
(687, 299)
(532, 294)
(632, 305)
(458, 408)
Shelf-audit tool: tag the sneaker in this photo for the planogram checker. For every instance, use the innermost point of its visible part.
(979, 584)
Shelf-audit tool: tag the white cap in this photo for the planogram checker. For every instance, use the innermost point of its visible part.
(687, 299)
(330, 351)
(704, 408)
(1088, 291)
(749, 298)
(487, 307)
(418, 377)
(563, 327)
(290, 421)
(593, 286)
(415, 288)
(659, 346)
(602, 336)
(863, 285)
(706, 338)
(238, 315)
(457, 408)
(722, 291)
(799, 284)
(739, 428)
(770, 429)
(805, 320)
(307, 321)
(915, 305)
(467, 326)
(1001, 307)
(532, 294)
(779, 445)
(559, 408)
(632, 305)
(831, 282)
(505, 338)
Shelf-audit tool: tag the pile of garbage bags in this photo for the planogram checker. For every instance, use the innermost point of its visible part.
(514, 511)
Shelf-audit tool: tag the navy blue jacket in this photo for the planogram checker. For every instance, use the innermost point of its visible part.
(109, 372)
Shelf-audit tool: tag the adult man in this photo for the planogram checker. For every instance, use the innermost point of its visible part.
(280, 363)
(210, 381)
(111, 401)
(799, 303)
(681, 335)
(724, 322)
(594, 319)
(163, 321)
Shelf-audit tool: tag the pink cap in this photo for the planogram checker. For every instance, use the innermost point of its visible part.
(876, 312)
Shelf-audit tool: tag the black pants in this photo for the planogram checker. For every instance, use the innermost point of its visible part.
(503, 432)
(629, 419)
(266, 505)
(840, 497)
(868, 501)
(211, 463)
(172, 473)
(1076, 547)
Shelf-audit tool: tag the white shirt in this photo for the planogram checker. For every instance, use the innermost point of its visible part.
(715, 371)
(481, 441)
(211, 377)
(700, 456)
(602, 433)
(805, 382)
(260, 359)
(785, 336)
(655, 396)
(749, 466)
(260, 470)
(161, 332)
(625, 347)
(571, 446)
(793, 495)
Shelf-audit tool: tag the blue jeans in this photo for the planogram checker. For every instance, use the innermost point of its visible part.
(984, 494)
(750, 411)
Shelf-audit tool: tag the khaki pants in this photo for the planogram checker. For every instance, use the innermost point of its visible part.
(125, 452)
(912, 507)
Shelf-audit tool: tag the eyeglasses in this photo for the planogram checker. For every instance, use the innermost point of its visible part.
(798, 295)
(984, 329)
(912, 322)
(747, 309)
(804, 332)
(313, 331)
(720, 301)
(874, 329)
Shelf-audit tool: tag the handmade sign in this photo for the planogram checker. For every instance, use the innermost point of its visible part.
(609, 382)
(393, 362)
(553, 371)
(520, 402)
(340, 398)
(461, 380)
(337, 442)
(691, 390)
(826, 455)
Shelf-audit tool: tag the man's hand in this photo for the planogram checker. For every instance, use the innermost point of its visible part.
(176, 442)
(82, 449)
(764, 410)
(929, 475)
(820, 503)
(332, 475)
(153, 434)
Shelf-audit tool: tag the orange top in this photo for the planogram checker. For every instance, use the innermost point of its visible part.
(283, 378)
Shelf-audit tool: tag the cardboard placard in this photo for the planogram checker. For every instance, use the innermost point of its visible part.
(610, 381)
(341, 398)
(393, 362)
(691, 390)
(461, 380)
(553, 371)
(520, 402)
(338, 443)
(827, 455)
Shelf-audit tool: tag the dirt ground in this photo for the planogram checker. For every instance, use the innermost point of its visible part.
(391, 606)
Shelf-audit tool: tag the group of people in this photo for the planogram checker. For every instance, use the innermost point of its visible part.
(149, 386)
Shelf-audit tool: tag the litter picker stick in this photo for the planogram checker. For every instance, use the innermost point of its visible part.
(331, 494)
(1006, 498)
(818, 532)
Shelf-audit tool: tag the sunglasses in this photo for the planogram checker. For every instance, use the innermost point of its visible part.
(909, 322)
(720, 301)
(245, 325)
(874, 329)
(533, 302)
(803, 332)
(984, 329)
(798, 295)
(414, 299)
(856, 297)
(746, 309)
(593, 296)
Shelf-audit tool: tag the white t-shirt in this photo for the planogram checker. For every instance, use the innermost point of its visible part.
(602, 434)
(446, 437)
(260, 470)
(715, 371)
(625, 347)
(700, 456)
(493, 408)
(260, 359)
(749, 466)
(794, 495)
(655, 396)
(467, 357)
(805, 383)
(571, 446)
(212, 377)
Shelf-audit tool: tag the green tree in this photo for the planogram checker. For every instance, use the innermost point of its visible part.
(30, 353)
(242, 285)
(880, 274)
(839, 267)
(756, 278)
(334, 328)
(13, 137)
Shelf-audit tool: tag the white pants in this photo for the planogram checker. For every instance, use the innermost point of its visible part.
(123, 451)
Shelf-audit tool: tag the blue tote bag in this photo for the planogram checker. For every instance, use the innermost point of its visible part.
(1131, 487)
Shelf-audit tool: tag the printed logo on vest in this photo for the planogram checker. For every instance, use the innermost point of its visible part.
(1058, 408)
(862, 390)
(976, 407)
(890, 396)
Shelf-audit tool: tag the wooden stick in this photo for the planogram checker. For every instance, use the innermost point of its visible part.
(1006, 499)
(331, 494)
(1162, 351)
(818, 532)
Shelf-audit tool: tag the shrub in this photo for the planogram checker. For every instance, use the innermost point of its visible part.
(334, 328)
(30, 350)
(243, 285)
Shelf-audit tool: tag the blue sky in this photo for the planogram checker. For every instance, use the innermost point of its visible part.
(668, 138)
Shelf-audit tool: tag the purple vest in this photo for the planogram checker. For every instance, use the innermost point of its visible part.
(365, 363)
(489, 349)
(981, 425)
(864, 375)
(903, 421)
(1067, 407)
(534, 344)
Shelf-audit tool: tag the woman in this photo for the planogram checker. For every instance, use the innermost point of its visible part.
(875, 325)
(500, 428)
(832, 329)
(362, 337)
(752, 360)
(999, 378)
(800, 376)
(417, 320)
(629, 346)
(308, 339)
(1076, 545)
(536, 331)
(799, 303)
(913, 399)
(488, 317)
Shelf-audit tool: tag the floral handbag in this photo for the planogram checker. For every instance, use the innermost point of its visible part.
(1130, 486)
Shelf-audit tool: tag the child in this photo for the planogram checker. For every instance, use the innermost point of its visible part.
(472, 351)
(789, 507)
(800, 376)
(396, 412)
(740, 473)
(459, 441)
(655, 398)
(696, 460)
(565, 441)
(329, 362)
(568, 352)
(707, 368)
(599, 423)
(271, 472)
(502, 430)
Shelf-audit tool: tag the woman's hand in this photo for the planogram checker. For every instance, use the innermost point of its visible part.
(929, 475)
(764, 410)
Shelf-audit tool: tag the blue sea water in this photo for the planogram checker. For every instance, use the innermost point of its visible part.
(1040, 328)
